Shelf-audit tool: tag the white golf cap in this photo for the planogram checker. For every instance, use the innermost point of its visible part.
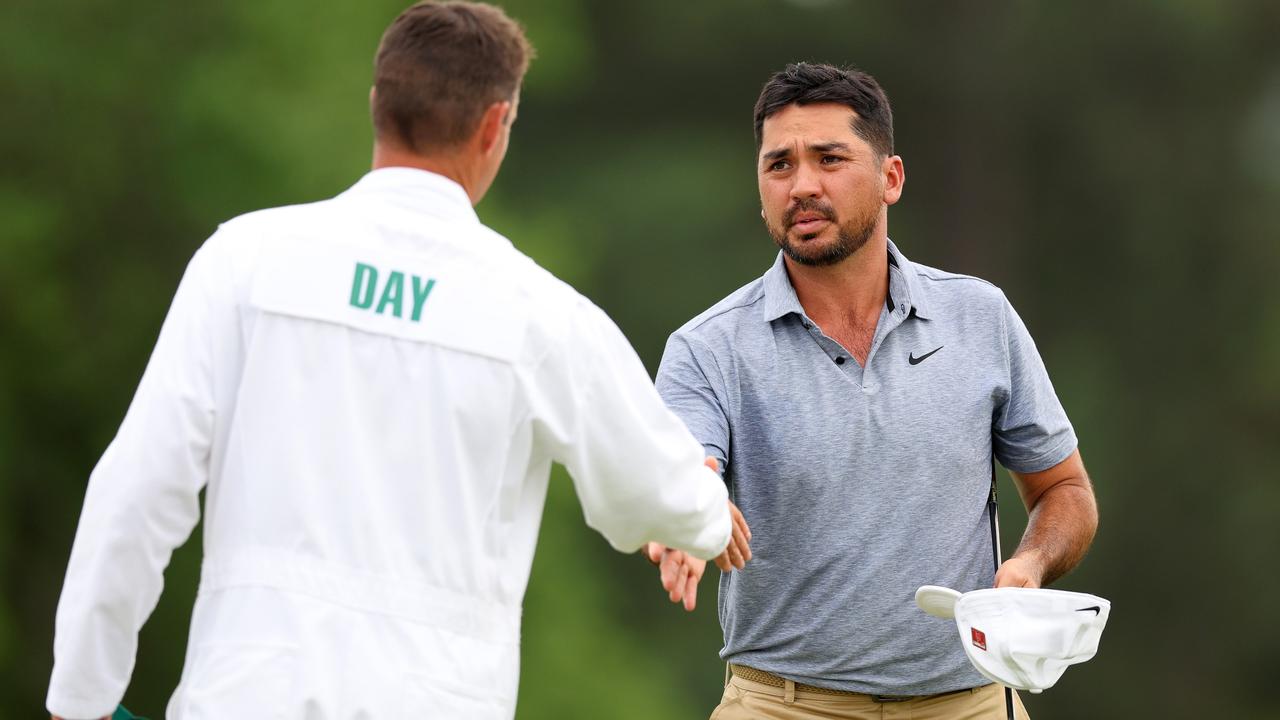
(1021, 637)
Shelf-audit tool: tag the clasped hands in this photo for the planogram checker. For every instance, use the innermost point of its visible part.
(680, 571)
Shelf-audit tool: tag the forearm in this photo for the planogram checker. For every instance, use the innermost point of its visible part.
(663, 494)
(1060, 528)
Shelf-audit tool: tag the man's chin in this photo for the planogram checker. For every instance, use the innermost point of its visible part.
(808, 258)
(812, 249)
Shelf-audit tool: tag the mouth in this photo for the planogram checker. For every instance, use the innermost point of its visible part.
(809, 223)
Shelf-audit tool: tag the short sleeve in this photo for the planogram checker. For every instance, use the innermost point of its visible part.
(1030, 429)
(691, 386)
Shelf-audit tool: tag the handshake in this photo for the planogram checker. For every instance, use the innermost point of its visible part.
(680, 572)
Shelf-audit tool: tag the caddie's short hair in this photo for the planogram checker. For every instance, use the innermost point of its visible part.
(808, 83)
(439, 65)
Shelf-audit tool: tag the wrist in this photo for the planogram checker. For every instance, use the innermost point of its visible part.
(1034, 564)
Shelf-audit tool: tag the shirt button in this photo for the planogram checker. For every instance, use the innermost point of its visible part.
(839, 359)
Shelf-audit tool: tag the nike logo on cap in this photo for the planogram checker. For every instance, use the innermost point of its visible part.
(1096, 610)
(911, 358)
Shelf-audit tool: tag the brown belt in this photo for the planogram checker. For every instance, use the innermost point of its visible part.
(768, 678)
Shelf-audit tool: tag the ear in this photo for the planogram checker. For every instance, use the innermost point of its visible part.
(895, 176)
(491, 124)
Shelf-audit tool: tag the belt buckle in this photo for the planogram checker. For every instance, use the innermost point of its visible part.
(892, 698)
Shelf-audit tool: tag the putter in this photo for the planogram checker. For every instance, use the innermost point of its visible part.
(994, 508)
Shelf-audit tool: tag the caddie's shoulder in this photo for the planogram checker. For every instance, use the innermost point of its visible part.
(231, 255)
(553, 307)
(245, 232)
(531, 282)
(275, 218)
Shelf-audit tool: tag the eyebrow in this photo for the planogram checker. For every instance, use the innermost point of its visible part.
(783, 152)
(775, 155)
(828, 147)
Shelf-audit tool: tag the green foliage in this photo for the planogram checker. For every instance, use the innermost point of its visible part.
(1116, 169)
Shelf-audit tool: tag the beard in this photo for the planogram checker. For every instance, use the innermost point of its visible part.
(851, 235)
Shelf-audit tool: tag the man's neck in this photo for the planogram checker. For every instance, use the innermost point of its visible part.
(851, 291)
(385, 156)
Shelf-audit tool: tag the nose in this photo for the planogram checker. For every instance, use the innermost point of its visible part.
(805, 183)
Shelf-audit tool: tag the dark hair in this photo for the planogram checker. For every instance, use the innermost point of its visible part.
(807, 83)
(439, 65)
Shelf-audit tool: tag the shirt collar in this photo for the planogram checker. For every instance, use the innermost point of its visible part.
(419, 190)
(904, 288)
(779, 295)
(907, 292)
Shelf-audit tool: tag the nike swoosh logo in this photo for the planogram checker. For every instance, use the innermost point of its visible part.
(911, 358)
(1096, 610)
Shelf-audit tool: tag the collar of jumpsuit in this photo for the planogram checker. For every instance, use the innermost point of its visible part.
(417, 191)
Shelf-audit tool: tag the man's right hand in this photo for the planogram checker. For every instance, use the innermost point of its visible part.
(738, 551)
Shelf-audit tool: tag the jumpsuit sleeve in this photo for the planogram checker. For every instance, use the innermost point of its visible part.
(142, 502)
(639, 473)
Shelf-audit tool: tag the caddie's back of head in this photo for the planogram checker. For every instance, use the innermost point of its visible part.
(810, 83)
(446, 80)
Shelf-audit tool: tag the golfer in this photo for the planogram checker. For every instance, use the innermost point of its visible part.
(855, 400)
(371, 391)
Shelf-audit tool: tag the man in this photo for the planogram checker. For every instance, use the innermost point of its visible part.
(373, 388)
(855, 400)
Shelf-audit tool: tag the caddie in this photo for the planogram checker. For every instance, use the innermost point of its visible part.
(856, 400)
(371, 391)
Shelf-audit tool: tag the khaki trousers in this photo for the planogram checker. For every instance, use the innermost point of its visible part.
(747, 700)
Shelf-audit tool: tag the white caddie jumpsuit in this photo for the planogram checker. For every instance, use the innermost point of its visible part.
(371, 390)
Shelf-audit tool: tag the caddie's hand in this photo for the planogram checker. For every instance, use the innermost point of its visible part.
(738, 552)
(679, 572)
(1019, 572)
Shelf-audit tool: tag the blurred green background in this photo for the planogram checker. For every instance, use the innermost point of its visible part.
(1115, 167)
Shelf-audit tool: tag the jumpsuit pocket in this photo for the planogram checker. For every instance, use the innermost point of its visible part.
(424, 698)
(248, 682)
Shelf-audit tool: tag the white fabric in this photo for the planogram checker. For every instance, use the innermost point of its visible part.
(1021, 637)
(376, 457)
(939, 602)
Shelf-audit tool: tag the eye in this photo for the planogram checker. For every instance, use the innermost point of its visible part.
(831, 159)
(779, 165)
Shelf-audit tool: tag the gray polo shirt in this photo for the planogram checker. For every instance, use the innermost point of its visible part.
(862, 484)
